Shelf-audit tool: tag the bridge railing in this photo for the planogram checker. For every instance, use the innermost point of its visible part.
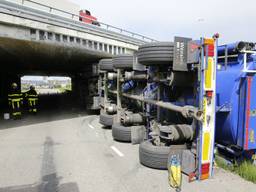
(76, 17)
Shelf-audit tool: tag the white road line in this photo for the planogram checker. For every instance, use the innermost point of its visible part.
(117, 151)
(90, 126)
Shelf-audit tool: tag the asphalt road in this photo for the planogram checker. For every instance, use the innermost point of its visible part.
(77, 155)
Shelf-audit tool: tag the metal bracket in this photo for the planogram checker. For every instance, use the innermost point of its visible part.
(245, 67)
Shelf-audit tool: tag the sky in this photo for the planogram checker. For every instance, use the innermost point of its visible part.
(163, 19)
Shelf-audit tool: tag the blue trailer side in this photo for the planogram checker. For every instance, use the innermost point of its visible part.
(236, 104)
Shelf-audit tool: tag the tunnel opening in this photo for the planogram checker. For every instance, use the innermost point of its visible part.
(26, 57)
(54, 92)
(47, 85)
(61, 96)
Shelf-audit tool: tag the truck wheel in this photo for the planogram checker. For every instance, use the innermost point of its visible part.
(123, 61)
(106, 120)
(160, 53)
(121, 133)
(156, 156)
(106, 65)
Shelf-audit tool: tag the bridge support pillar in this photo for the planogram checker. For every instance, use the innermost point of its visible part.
(80, 89)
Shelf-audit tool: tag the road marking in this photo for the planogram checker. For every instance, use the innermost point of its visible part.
(117, 151)
(90, 126)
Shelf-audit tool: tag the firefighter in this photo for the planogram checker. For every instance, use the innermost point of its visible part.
(15, 100)
(32, 99)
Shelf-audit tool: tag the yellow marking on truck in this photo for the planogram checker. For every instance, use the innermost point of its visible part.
(206, 146)
(252, 140)
(204, 111)
(208, 74)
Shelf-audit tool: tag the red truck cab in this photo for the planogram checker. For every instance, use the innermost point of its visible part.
(86, 17)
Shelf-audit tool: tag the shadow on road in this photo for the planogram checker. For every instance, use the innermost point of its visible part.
(43, 187)
(50, 182)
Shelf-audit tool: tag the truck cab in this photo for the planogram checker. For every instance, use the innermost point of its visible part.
(86, 17)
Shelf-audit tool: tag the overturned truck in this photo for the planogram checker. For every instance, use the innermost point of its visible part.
(163, 97)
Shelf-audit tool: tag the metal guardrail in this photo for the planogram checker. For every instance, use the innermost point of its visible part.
(74, 16)
(14, 9)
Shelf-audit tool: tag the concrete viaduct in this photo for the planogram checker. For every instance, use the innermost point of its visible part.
(36, 39)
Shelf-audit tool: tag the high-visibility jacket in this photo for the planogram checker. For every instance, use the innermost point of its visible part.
(15, 99)
(32, 98)
(31, 95)
(15, 96)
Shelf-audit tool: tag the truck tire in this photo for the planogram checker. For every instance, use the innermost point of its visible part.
(158, 53)
(156, 156)
(106, 64)
(136, 65)
(121, 133)
(123, 61)
(106, 120)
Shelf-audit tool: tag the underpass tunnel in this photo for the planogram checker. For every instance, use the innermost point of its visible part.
(22, 58)
(60, 101)
(51, 106)
(53, 92)
(77, 97)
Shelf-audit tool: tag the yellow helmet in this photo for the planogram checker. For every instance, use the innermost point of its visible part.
(14, 85)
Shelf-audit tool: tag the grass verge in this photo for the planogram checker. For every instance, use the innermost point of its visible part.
(245, 170)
